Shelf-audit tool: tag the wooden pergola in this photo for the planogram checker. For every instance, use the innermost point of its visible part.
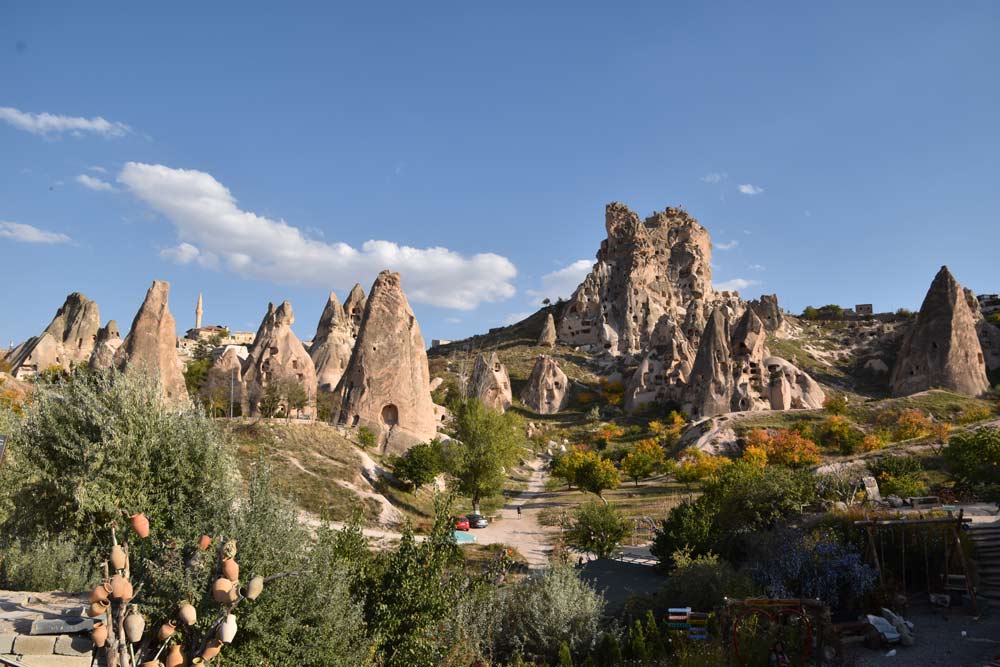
(953, 546)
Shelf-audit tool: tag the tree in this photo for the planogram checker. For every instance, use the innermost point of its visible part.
(419, 465)
(597, 474)
(295, 395)
(565, 465)
(565, 657)
(366, 437)
(598, 528)
(975, 458)
(637, 643)
(268, 400)
(643, 459)
(486, 445)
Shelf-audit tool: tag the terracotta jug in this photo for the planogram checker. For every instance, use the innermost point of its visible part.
(135, 625)
(174, 658)
(152, 663)
(140, 524)
(254, 588)
(221, 590)
(205, 542)
(118, 558)
(187, 614)
(102, 592)
(231, 569)
(166, 631)
(211, 650)
(99, 635)
(121, 588)
(227, 631)
(98, 608)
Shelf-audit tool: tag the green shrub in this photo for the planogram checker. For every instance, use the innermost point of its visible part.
(419, 465)
(836, 405)
(701, 582)
(598, 528)
(837, 432)
(366, 437)
(899, 476)
(45, 564)
(975, 459)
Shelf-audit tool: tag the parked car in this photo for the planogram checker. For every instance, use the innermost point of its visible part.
(462, 523)
(478, 521)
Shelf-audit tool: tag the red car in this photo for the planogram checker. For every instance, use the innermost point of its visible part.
(462, 523)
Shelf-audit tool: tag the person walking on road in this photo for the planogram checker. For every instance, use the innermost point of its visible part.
(518, 511)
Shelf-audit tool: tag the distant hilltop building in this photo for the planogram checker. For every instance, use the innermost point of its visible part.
(212, 331)
(438, 342)
(989, 304)
(863, 309)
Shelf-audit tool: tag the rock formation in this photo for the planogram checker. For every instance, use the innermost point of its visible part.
(644, 270)
(710, 387)
(548, 336)
(942, 348)
(664, 371)
(386, 386)
(151, 344)
(769, 312)
(547, 391)
(354, 309)
(108, 341)
(750, 389)
(490, 383)
(277, 357)
(69, 339)
(989, 336)
(224, 385)
(789, 388)
(332, 344)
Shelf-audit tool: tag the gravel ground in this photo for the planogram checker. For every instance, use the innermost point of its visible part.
(939, 641)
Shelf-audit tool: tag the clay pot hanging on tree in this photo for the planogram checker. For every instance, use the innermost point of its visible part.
(140, 524)
(204, 542)
(166, 631)
(186, 613)
(102, 592)
(231, 569)
(152, 663)
(134, 625)
(174, 657)
(118, 558)
(227, 631)
(254, 588)
(121, 588)
(99, 634)
(221, 590)
(98, 608)
(212, 650)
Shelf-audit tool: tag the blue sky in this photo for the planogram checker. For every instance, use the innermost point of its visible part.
(837, 152)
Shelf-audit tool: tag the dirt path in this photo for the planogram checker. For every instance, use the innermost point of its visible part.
(526, 534)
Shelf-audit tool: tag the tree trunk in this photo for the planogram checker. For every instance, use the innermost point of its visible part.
(475, 503)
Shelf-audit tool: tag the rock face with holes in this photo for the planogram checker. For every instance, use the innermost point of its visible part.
(151, 343)
(108, 341)
(644, 270)
(354, 310)
(767, 309)
(989, 335)
(277, 359)
(942, 348)
(663, 372)
(68, 340)
(490, 383)
(548, 336)
(332, 344)
(547, 391)
(750, 386)
(790, 388)
(386, 387)
(710, 386)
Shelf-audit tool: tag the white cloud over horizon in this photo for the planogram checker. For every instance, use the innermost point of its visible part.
(561, 283)
(46, 124)
(22, 233)
(750, 189)
(214, 232)
(735, 284)
(92, 183)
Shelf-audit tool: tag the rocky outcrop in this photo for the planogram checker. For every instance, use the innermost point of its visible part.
(490, 383)
(108, 341)
(710, 388)
(547, 391)
(790, 388)
(989, 336)
(68, 340)
(942, 348)
(354, 309)
(548, 336)
(750, 387)
(386, 386)
(151, 344)
(332, 344)
(644, 270)
(664, 370)
(224, 384)
(767, 309)
(277, 359)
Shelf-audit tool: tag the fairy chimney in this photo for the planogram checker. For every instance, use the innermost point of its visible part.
(547, 391)
(151, 344)
(490, 383)
(332, 344)
(277, 359)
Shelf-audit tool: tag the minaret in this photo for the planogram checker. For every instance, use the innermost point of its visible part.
(197, 313)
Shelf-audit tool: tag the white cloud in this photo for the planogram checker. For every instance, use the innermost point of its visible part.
(562, 282)
(714, 177)
(735, 284)
(45, 124)
(757, 267)
(728, 245)
(206, 218)
(88, 181)
(749, 189)
(99, 170)
(28, 234)
(185, 253)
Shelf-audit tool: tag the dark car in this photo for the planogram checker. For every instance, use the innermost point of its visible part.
(462, 523)
(478, 521)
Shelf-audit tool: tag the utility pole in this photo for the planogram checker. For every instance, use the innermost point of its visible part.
(232, 390)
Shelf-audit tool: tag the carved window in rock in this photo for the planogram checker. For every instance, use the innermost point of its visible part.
(390, 415)
(295, 364)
